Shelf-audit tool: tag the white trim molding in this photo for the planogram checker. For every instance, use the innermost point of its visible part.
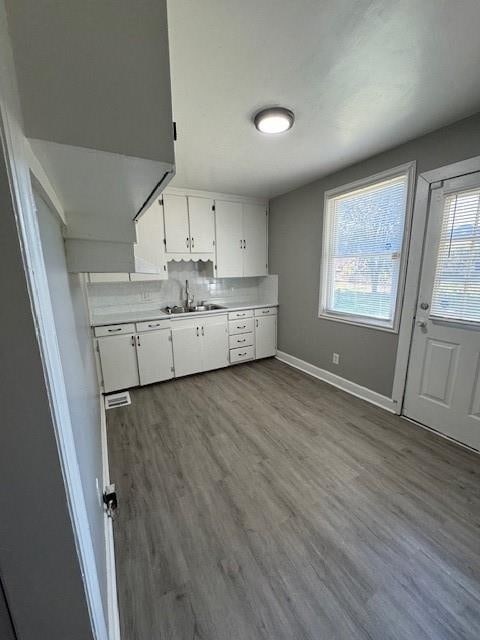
(112, 595)
(350, 387)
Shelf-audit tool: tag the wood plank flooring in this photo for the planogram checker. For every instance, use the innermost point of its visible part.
(259, 503)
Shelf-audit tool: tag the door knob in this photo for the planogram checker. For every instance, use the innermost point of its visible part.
(421, 323)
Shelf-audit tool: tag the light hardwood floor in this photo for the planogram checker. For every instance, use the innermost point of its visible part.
(257, 502)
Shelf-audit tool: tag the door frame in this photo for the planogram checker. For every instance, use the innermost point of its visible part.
(425, 181)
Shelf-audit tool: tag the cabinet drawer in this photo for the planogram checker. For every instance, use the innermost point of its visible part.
(268, 311)
(240, 355)
(238, 315)
(114, 329)
(240, 326)
(241, 340)
(153, 325)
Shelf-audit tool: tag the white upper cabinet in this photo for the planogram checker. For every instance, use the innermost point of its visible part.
(189, 224)
(177, 229)
(202, 224)
(229, 239)
(241, 239)
(150, 249)
(254, 240)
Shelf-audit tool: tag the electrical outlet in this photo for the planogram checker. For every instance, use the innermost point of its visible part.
(336, 358)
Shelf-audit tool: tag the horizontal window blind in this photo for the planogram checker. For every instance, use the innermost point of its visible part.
(363, 256)
(456, 288)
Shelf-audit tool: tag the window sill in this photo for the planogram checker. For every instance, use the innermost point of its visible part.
(357, 321)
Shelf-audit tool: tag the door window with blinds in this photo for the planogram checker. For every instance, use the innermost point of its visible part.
(456, 287)
(363, 249)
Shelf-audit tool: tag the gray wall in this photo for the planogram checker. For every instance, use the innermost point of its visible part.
(73, 333)
(367, 356)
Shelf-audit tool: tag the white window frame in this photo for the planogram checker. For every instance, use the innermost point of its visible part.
(392, 326)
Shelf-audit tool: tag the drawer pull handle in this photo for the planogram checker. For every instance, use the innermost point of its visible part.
(154, 325)
(242, 354)
(242, 326)
(244, 340)
(266, 311)
(112, 330)
(240, 315)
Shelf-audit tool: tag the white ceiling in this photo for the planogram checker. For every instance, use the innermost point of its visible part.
(360, 75)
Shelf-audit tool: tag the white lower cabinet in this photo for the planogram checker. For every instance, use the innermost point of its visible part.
(187, 352)
(130, 360)
(215, 342)
(200, 344)
(118, 357)
(265, 336)
(154, 354)
(157, 350)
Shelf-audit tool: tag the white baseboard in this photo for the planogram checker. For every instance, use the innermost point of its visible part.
(337, 381)
(113, 616)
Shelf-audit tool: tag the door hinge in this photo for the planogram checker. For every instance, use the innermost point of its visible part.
(213, 242)
(175, 131)
(215, 267)
(172, 369)
(110, 500)
(165, 241)
(164, 267)
(213, 207)
(160, 202)
(170, 338)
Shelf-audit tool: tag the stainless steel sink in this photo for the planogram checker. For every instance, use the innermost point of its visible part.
(195, 309)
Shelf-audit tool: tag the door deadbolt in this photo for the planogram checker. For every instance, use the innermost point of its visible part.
(424, 305)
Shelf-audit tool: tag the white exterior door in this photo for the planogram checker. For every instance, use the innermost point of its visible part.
(265, 337)
(443, 383)
(118, 359)
(229, 239)
(177, 232)
(255, 240)
(215, 342)
(187, 347)
(154, 353)
(202, 225)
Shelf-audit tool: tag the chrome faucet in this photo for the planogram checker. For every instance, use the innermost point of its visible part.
(188, 297)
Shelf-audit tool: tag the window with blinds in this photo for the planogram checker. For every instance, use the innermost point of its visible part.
(362, 251)
(456, 288)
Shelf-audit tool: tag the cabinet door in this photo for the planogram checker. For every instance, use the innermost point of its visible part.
(265, 337)
(187, 347)
(229, 239)
(202, 225)
(215, 342)
(255, 240)
(177, 232)
(150, 260)
(118, 359)
(154, 353)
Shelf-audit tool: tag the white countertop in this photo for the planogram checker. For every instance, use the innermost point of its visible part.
(121, 317)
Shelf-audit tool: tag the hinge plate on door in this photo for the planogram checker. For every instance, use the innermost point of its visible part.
(160, 202)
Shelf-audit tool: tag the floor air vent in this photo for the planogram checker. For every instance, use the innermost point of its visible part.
(117, 400)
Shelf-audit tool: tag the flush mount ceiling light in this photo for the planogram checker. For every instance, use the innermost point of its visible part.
(274, 120)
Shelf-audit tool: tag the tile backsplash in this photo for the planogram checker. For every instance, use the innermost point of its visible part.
(132, 296)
